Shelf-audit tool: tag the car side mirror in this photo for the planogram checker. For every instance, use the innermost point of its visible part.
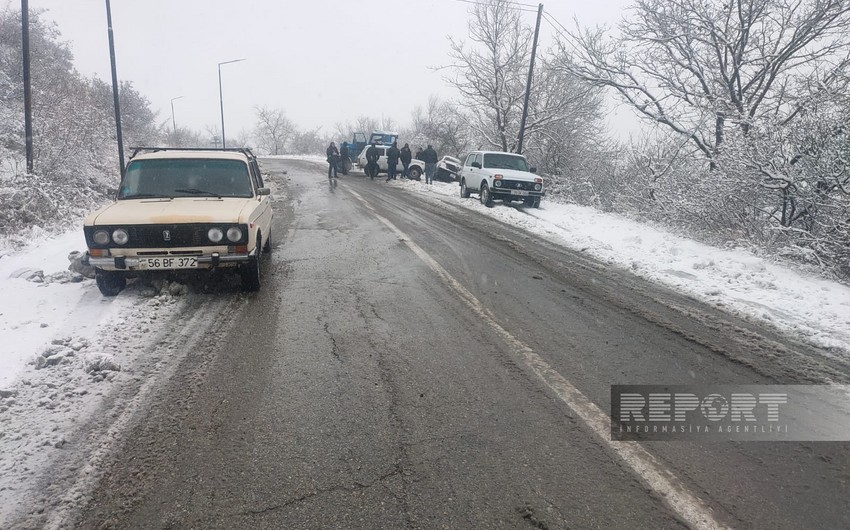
(532, 169)
(264, 191)
(476, 165)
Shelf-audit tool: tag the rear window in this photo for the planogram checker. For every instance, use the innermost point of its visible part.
(186, 177)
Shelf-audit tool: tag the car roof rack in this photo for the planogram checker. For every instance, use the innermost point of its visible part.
(244, 150)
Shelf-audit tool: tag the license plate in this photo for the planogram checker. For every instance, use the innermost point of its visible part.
(188, 262)
(519, 192)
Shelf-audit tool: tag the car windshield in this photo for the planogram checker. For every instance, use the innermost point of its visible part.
(185, 177)
(505, 161)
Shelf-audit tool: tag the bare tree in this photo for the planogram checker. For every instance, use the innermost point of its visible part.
(273, 131)
(490, 74)
(699, 66)
(440, 124)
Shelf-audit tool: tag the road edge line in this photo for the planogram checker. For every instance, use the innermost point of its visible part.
(674, 493)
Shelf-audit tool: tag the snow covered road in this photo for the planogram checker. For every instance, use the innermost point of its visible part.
(358, 389)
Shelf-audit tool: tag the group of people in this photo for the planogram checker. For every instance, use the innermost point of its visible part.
(394, 156)
(337, 159)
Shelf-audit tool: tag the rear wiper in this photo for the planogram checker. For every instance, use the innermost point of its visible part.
(196, 191)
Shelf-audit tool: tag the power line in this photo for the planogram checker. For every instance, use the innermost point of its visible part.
(556, 25)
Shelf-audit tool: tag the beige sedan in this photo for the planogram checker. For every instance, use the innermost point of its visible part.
(182, 209)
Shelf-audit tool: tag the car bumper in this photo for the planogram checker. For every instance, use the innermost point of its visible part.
(134, 263)
(499, 193)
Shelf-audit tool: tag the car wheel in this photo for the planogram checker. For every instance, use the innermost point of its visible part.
(528, 202)
(415, 173)
(442, 174)
(536, 203)
(110, 283)
(485, 195)
(250, 272)
(464, 191)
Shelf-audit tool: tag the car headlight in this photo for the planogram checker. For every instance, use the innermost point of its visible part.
(538, 187)
(234, 234)
(498, 183)
(101, 237)
(120, 236)
(215, 235)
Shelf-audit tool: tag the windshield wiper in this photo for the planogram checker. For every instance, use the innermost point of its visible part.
(146, 196)
(196, 191)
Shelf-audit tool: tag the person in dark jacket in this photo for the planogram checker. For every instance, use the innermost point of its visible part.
(345, 157)
(429, 156)
(372, 156)
(405, 156)
(392, 161)
(333, 159)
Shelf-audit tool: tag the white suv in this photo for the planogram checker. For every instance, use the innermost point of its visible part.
(504, 176)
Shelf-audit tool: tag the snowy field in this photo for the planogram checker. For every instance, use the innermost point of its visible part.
(67, 349)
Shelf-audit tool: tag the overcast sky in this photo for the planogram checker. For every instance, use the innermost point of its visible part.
(321, 61)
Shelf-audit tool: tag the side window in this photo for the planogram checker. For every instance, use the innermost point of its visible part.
(478, 157)
(469, 159)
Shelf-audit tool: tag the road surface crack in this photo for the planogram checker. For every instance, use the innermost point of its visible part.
(354, 487)
(334, 347)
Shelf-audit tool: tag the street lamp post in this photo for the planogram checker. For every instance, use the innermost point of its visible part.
(173, 121)
(221, 100)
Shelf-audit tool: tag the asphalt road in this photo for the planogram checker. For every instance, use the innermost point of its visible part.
(412, 364)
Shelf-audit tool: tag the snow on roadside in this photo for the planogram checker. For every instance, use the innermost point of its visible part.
(803, 305)
(66, 349)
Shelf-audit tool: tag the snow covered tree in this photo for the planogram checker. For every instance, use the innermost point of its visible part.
(490, 73)
(698, 67)
(440, 124)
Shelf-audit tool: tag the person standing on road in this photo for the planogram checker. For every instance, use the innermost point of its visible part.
(405, 156)
(333, 159)
(392, 161)
(372, 156)
(429, 156)
(345, 157)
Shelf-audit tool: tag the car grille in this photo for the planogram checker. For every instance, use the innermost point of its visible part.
(154, 236)
(517, 185)
(179, 235)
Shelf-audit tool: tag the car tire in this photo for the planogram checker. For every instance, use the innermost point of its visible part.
(414, 173)
(250, 272)
(486, 195)
(110, 283)
(536, 203)
(267, 248)
(443, 174)
(464, 191)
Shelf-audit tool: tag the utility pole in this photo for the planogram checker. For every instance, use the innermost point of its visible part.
(528, 83)
(25, 49)
(115, 91)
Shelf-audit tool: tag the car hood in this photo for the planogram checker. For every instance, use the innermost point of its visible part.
(178, 210)
(513, 174)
